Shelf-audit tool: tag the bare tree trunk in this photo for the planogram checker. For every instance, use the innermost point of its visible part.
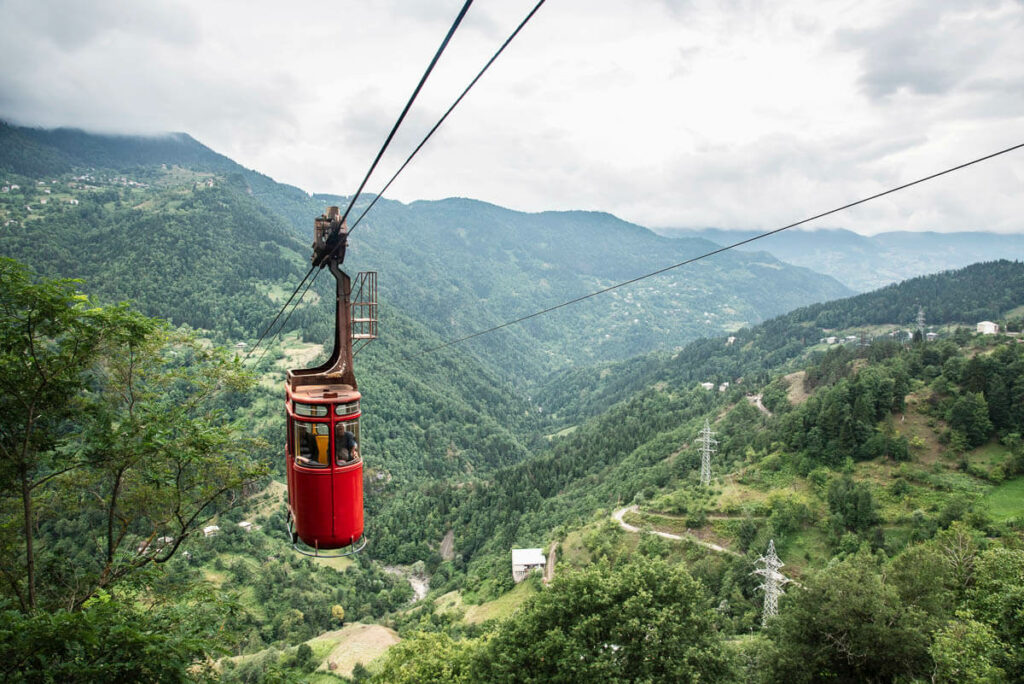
(30, 559)
(111, 511)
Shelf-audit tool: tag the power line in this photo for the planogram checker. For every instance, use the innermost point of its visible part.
(380, 153)
(408, 105)
(450, 110)
(716, 251)
(423, 142)
(267, 329)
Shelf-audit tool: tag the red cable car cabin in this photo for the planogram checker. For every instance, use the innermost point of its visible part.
(324, 463)
(325, 469)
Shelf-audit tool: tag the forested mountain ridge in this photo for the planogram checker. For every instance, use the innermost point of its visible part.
(868, 262)
(618, 418)
(455, 265)
(465, 265)
(897, 464)
(192, 237)
(961, 297)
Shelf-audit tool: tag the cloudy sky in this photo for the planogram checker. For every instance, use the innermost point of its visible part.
(668, 113)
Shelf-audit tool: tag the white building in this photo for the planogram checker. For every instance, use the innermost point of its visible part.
(210, 531)
(524, 561)
(708, 385)
(246, 526)
(988, 328)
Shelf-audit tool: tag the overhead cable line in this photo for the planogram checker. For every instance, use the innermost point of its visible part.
(408, 105)
(267, 329)
(714, 252)
(423, 142)
(450, 110)
(384, 147)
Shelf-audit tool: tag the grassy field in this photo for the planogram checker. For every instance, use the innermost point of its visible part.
(338, 564)
(498, 609)
(1006, 501)
(563, 432)
(355, 643)
(501, 607)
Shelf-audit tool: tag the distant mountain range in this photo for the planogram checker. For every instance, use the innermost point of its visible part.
(167, 210)
(865, 263)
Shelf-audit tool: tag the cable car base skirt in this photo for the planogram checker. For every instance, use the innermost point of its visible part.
(317, 552)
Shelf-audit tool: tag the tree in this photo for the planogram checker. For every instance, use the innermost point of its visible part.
(969, 415)
(110, 431)
(427, 657)
(851, 505)
(338, 613)
(112, 641)
(50, 338)
(848, 624)
(643, 621)
(966, 650)
(997, 599)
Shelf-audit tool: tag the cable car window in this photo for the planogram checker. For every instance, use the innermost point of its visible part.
(312, 442)
(346, 442)
(346, 409)
(315, 410)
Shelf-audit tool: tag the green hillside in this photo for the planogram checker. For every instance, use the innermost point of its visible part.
(456, 265)
(882, 473)
(884, 467)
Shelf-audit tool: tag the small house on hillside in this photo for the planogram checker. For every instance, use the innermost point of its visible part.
(988, 328)
(246, 526)
(210, 531)
(708, 385)
(525, 561)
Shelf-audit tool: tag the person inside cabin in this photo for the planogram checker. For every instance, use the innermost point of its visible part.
(312, 449)
(346, 444)
(307, 444)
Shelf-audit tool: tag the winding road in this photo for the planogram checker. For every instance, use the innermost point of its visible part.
(667, 535)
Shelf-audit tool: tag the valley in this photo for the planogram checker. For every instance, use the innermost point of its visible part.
(883, 461)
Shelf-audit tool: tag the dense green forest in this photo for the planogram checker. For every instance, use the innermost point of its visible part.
(456, 265)
(833, 475)
(885, 484)
(886, 465)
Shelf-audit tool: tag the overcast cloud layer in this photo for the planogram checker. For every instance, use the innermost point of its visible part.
(666, 113)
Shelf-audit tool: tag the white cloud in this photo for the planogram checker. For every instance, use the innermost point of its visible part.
(665, 113)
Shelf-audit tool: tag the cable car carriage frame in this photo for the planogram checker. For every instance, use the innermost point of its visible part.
(324, 460)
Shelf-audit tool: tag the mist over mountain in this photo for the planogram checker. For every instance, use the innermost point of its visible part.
(868, 262)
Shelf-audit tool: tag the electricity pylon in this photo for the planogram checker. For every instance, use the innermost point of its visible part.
(773, 582)
(707, 447)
